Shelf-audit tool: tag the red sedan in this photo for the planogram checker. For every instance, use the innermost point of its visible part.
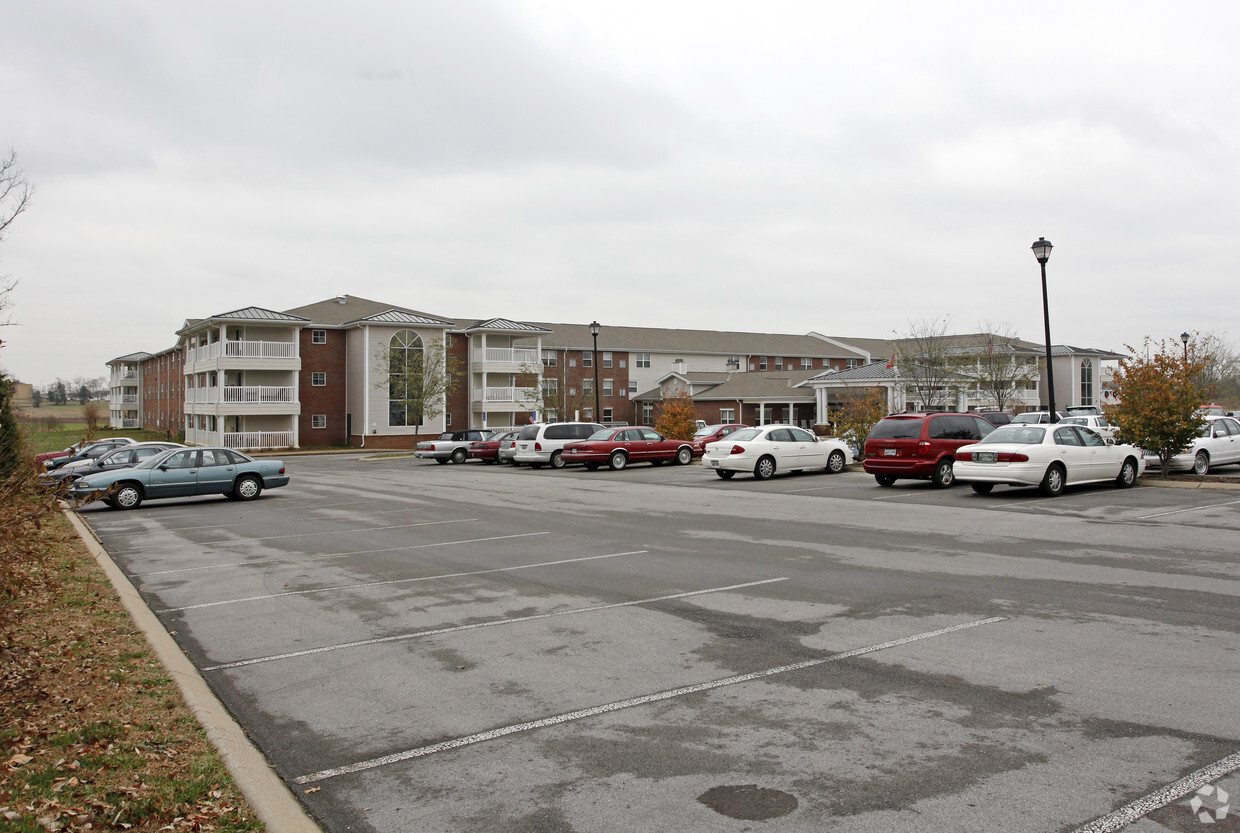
(712, 434)
(618, 447)
(488, 450)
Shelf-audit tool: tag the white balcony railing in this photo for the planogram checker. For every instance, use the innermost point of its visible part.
(243, 350)
(258, 440)
(131, 423)
(242, 394)
(123, 376)
(506, 395)
(117, 400)
(513, 355)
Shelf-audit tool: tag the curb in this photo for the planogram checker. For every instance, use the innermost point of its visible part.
(270, 797)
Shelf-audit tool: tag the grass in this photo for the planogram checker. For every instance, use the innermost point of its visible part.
(44, 432)
(93, 732)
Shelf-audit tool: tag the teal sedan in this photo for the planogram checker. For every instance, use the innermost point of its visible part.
(182, 472)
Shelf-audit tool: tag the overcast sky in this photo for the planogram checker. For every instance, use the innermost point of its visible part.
(840, 167)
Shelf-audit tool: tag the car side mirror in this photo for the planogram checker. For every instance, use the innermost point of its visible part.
(163, 467)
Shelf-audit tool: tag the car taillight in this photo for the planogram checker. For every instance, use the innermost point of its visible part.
(281, 469)
(538, 446)
(737, 449)
(1012, 458)
(923, 447)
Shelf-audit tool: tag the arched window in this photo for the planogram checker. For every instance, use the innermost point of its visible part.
(405, 363)
(1087, 382)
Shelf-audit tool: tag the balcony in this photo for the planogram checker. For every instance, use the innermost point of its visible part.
(490, 396)
(123, 399)
(512, 357)
(242, 395)
(258, 440)
(242, 350)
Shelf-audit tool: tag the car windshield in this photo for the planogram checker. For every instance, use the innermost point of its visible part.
(707, 431)
(744, 434)
(1027, 418)
(604, 434)
(152, 462)
(1013, 433)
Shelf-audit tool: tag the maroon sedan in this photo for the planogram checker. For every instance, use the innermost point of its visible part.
(619, 447)
(711, 434)
(488, 450)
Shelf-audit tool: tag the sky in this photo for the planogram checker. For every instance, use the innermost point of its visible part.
(845, 168)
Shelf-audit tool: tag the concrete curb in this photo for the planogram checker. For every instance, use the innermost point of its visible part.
(270, 797)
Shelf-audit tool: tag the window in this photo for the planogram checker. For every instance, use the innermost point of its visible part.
(641, 360)
(607, 387)
(318, 379)
(632, 386)
(647, 412)
(447, 420)
(851, 363)
(549, 358)
(550, 387)
(606, 359)
(318, 421)
(1087, 382)
(779, 362)
(587, 414)
(807, 364)
(587, 386)
(607, 415)
(405, 358)
(572, 362)
(762, 363)
(318, 336)
(587, 358)
(727, 415)
(622, 364)
(734, 362)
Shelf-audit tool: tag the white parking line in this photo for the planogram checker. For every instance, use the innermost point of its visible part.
(456, 743)
(233, 524)
(1188, 509)
(1134, 810)
(488, 624)
(247, 540)
(405, 580)
(302, 559)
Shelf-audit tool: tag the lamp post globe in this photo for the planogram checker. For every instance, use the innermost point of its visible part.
(594, 330)
(1184, 337)
(1042, 251)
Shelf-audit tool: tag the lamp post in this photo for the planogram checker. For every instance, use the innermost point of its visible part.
(598, 411)
(1042, 251)
(1184, 337)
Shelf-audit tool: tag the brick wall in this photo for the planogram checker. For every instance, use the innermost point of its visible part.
(329, 399)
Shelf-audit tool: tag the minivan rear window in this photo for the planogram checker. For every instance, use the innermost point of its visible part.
(529, 432)
(896, 428)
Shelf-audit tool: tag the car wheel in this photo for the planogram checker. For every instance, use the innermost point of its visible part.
(684, 456)
(724, 474)
(835, 462)
(765, 468)
(1127, 474)
(884, 480)
(1052, 482)
(127, 496)
(248, 487)
(943, 476)
(591, 466)
(1201, 463)
(982, 488)
(459, 455)
(617, 461)
(443, 461)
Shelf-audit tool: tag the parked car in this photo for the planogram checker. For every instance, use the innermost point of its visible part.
(1035, 418)
(1047, 456)
(180, 472)
(1082, 410)
(450, 445)
(1097, 422)
(711, 433)
(508, 449)
(543, 443)
(118, 458)
(75, 448)
(920, 445)
(1213, 410)
(995, 417)
(88, 452)
(620, 447)
(1218, 444)
(768, 449)
(488, 450)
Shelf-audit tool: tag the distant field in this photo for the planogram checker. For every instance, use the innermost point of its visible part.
(53, 427)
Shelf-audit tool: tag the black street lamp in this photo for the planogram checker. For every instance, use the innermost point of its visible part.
(598, 411)
(1184, 337)
(1042, 251)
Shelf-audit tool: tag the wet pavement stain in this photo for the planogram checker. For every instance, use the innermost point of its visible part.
(749, 802)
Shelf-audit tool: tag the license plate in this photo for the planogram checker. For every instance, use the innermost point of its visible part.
(889, 452)
(715, 463)
(983, 456)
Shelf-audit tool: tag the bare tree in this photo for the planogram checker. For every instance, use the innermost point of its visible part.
(927, 362)
(1000, 367)
(417, 377)
(1219, 365)
(16, 192)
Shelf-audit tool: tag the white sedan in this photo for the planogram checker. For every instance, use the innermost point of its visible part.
(1047, 456)
(1098, 422)
(1218, 444)
(771, 448)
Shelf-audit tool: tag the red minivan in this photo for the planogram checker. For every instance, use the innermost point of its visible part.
(920, 446)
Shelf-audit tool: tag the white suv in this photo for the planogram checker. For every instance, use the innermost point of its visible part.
(542, 443)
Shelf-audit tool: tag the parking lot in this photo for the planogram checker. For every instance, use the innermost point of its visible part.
(482, 648)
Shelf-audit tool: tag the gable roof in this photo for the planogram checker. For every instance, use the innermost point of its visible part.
(349, 310)
(245, 314)
(395, 316)
(505, 325)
